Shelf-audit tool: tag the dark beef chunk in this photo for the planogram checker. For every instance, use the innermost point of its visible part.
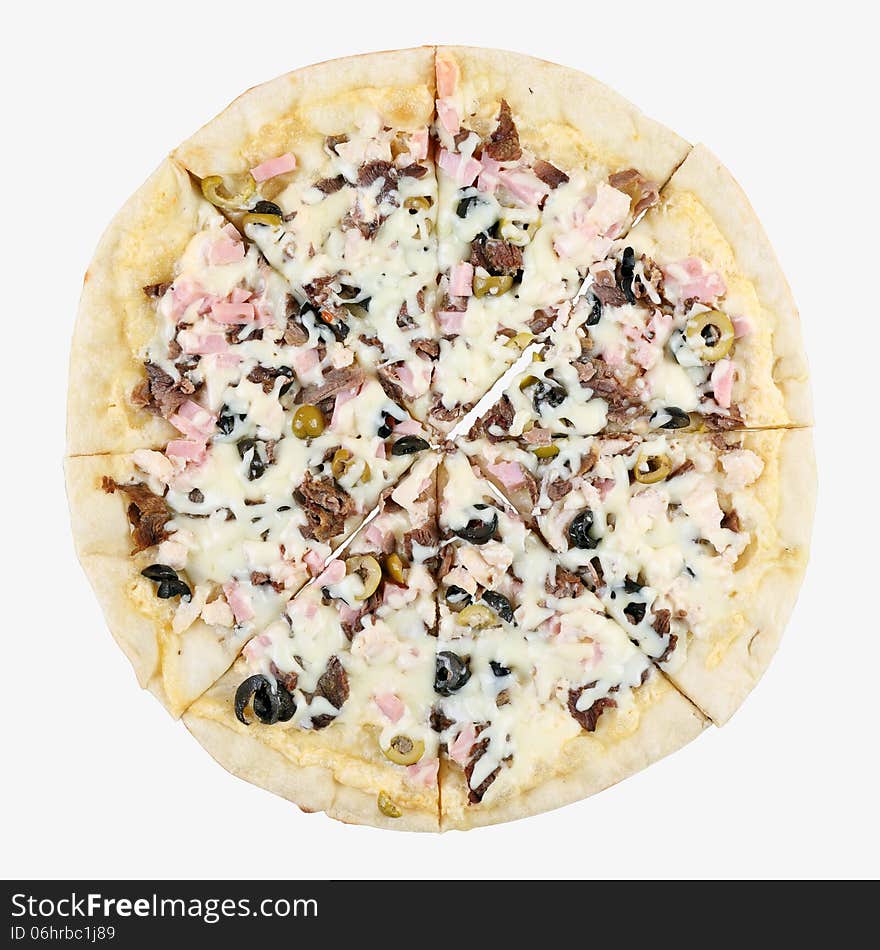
(500, 416)
(724, 423)
(662, 620)
(265, 376)
(330, 186)
(333, 686)
(447, 561)
(503, 143)
(439, 720)
(565, 584)
(475, 795)
(413, 171)
(542, 320)
(160, 394)
(588, 717)
(643, 193)
(332, 141)
(558, 489)
(496, 256)
(326, 507)
(426, 349)
(335, 381)
(549, 174)
(670, 648)
(147, 513)
(439, 411)
(389, 381)
(601, 379)
(157, 290)
(427, 536)
(372, 171)
(731, 521)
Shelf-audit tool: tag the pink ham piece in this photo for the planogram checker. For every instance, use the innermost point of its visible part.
(451, 321)
(742, 326)
(274, 166)
(488, 180)
(603, 486)
(722, 382)
(342, 398)
(418, 145)
(333, 574)
(408, 427)
(304, 360)
(508, 473)
(184, 293)
(448, 115)
(186, 450)
(314, 562)
(375, 536)
(537, 436)
(424, 774)
(461, 279)
(391, 705)
(193, 421)
(461, 169)
(255, 648)
(406, 379)
(226, 251)
(447, 76)
(464, 742)
(227, 360)
(232, 313)
(348, 615)
(204, 345)
(380, 451)
(691, 278)
(239, 601)
(523, 185)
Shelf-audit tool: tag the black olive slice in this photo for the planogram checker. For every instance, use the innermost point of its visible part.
(500, 604)
(266, 702)
(267, 207)
(478, 531)
(678, 418)
(631, 586)
(457, 595)
(635, 612)
(168, 581)
(271, 706)
(409, 445)
(595, 313)
(225, 421)
(550, 393)
(579, 531)
(627, 265)
(451, 673)
(465, 205)
(498, 669)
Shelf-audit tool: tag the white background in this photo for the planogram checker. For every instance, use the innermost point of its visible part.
(97, 781)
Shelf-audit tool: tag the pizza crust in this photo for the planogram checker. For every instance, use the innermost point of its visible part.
(564, 115)
(723, 667)
(116, 319)
(296, 111)
(327, 770)
(704, 213)
(661, 722)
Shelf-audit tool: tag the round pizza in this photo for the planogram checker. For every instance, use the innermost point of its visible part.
(439, 438)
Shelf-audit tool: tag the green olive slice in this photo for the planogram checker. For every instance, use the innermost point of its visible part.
(395, 568)
(308, 422)
(710, 335)
(371, 573)
(388, 808)
(546, 451)
(252, 217)
(215, 191)
(491, 286)
(404, 751)
(650, 469)
(477, 616)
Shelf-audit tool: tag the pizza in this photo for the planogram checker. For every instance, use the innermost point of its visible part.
(439, 439)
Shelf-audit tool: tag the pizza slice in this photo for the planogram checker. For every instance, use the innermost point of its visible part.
(330, 706)
(327, 171)
(688, 324)
(543, 699)
(539, 169)
(696, 544)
